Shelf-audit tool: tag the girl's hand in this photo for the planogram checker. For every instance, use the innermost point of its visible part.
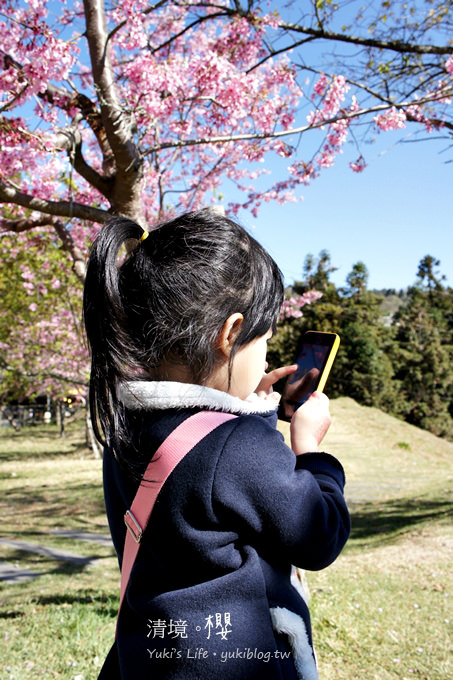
(265, 388)
(310, 423)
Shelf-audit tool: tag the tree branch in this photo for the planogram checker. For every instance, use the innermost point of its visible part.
(70, 140)
(321, 33)
(28, 224)
(116, 122)
(25, 224)
(145, 12)
(92, 116)
(196, 22)
(9, 194)
(274, 53)
(65, 99)
(125, 196)
(78, 257)
(392, 45)
(72, 380)
(345, 115)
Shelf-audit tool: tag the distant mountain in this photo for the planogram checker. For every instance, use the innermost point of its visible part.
(392, 300)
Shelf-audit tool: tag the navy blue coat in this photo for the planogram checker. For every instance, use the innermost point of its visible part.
(216, 557)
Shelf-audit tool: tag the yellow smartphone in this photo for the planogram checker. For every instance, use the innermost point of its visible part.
(315, 357)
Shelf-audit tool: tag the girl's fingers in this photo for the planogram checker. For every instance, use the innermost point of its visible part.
(274, 376)
(310, 423)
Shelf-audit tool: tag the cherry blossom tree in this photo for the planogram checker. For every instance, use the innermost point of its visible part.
(147, 109)
(41, 340)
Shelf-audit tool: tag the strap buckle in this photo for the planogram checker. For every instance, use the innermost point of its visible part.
(133, 526)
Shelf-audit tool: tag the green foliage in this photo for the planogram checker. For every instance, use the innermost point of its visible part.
(316, 272)
(424, 353)
(396, 350)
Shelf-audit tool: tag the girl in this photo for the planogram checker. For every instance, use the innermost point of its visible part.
(180, 327)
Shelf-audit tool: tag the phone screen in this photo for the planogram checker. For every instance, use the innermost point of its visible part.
(314, 360)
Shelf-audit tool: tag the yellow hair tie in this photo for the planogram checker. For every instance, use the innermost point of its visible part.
(144, 235)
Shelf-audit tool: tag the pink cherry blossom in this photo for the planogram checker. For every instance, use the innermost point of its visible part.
(449, 65)
(391, 119)
(359, 165)
(203, 105)
(292, 307)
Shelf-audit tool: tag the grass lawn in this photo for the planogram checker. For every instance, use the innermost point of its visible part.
(382, 611)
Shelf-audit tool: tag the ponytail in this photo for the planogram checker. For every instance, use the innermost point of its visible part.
(166, 304)
(105, 320)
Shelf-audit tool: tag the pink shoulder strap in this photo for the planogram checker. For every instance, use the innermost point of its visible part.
(168, 455)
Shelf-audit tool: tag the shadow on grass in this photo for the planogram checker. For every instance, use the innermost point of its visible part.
(44, 564)
(103, 604)
(384, 521)
(57, 501)
(42, 442)
(68, 449)
(12, 615)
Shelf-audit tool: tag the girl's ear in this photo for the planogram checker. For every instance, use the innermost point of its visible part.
(229, 332)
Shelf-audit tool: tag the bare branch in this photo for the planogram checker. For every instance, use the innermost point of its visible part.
(196, 22)
(28, 224)
(78, 257)
(71, 379)
(274, 53)
(8, 194)
(70, 140)
(117, 124)
(392, 45)
(25, 224)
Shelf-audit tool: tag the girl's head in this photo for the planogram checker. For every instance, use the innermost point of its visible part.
(165, 306)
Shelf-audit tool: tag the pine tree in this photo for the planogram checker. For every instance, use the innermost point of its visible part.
(425, 352)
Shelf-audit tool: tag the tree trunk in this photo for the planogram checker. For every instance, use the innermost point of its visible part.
(91, 439)
(61, 409)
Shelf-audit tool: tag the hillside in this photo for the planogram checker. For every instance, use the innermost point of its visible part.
(382, 611)
(391, 300)
(384, 457)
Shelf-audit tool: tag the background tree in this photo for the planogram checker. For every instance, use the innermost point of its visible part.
(402, 363)
(324, 315)
(142, 109)
(357, 280)
(148, 109)
(316, 272)
(41, 341)
(424, 356)
(363, 369)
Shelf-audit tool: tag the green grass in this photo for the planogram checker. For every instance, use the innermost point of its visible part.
(384, 609)
(61, 624)
(381, 611)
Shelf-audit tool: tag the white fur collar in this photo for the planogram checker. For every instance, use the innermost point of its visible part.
(140, 394)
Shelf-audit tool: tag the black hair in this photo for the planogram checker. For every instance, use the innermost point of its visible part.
(168, 301)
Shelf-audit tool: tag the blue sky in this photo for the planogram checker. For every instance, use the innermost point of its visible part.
(398, 210)
(391, 215)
